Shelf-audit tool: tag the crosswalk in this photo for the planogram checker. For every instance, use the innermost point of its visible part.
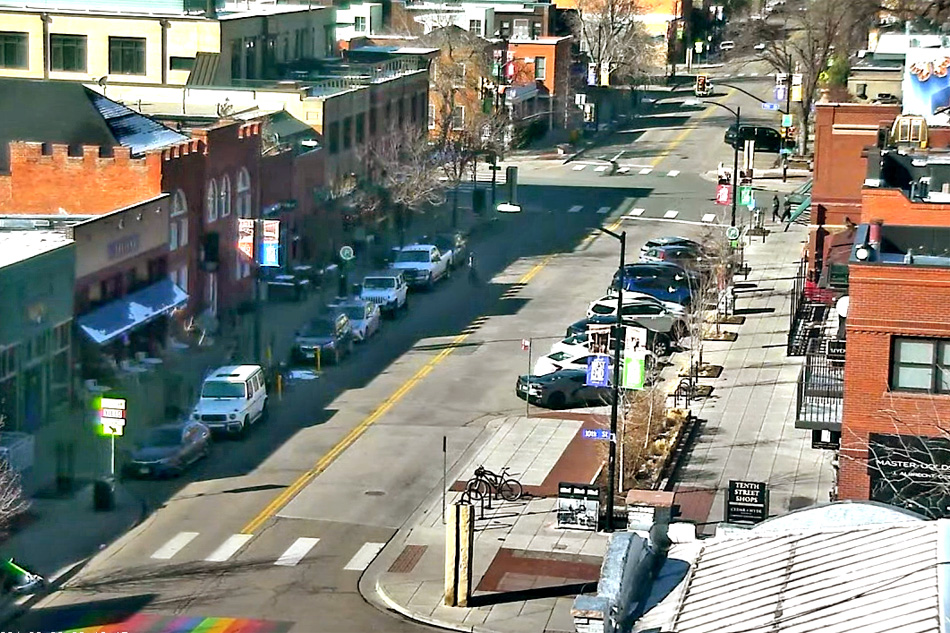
(601, 168)
(184, 546)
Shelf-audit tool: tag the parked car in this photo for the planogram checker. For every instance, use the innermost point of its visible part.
(387, 289)
(364, 316)
(665, 281)
(169, 449)
(562, 388)
(564, 359)
(660, 343)
(453, 247)
(727, 45)
(672, 240)
(232, 399)
(422, 265)
(651, 314)
(766, 139)
(331, 334)
(683, 256)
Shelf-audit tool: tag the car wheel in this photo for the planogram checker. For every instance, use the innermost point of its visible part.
(242, 432)
(557, 400)
(430, 283)
(265, 412)
(661, 346)
(405, 305)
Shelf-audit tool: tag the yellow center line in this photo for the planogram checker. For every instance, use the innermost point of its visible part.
(330, 456)
(679, 138)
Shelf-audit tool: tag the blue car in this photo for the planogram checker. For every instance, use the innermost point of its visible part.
(666, 282)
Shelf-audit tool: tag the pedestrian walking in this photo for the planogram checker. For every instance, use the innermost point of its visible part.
(787, 212)
(472, 271)
(775, 206)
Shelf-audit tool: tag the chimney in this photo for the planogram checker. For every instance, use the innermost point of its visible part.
(874, 233)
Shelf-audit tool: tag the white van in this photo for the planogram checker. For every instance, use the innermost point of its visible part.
(232, 399)
(727, 45)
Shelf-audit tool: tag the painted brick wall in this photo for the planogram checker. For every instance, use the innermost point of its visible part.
(53, 182)
(887, 301)
(893, 207)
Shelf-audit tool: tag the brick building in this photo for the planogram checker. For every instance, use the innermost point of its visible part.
(547, 62)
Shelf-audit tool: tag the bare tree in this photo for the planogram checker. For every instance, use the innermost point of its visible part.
(12, 501)
(616, 42)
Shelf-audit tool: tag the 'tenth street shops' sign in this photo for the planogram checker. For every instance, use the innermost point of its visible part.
(747, 502)
(911, 471)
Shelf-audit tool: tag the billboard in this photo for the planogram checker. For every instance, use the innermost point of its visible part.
(911, 471)
(926, 85)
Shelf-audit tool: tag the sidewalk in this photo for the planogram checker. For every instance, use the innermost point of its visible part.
(525, 570)
(61, 536)
(747, 426)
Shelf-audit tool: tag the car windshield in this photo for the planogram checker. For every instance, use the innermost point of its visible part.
(412, 256)
(355, 312)
(601, 308)
(556, 356)
(163, 437)
(319, 327)
(222, 389)
(379, 283)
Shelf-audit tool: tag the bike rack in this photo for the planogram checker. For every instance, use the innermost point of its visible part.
(469, 495)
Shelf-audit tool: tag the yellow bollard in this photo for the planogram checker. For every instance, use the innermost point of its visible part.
(280, 387)
(317, 357)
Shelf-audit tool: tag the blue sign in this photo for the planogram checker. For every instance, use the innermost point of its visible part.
(780, 92)
(598, 371)
(770, 106)
(269, 255)
(595, 434)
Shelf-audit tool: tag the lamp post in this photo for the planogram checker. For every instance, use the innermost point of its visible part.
(618, 335)
(735, 149)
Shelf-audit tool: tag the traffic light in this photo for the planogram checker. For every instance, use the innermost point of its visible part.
(701, 83)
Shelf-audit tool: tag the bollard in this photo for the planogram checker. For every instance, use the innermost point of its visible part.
(316, 357)
(280, 387)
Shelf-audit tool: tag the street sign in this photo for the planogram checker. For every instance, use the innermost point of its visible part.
(770, 106)
(346, 253)
(270, 243)
(112, 416)
(633, 372)
(598, 371)
(781, 92)
(732, 233)
(747, 502)
(595, 434)
(787, 120)
(723, 194)
(525, 344)
(745, 196)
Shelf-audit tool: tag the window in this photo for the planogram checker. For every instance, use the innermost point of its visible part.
(521, 29)
(540, 68)
(181, 63)
(535, 30)
(127, 55)
(243, 194)
(237, 47)
(347, 132)
(13, 49)
(458, 117)
(359, 23)
(67, 53)
(173, 236)
(909, 129)
(178, 225)
(504, 29)
(179, 203)
(224, 198)
(475, 26)
(431, 117)
(183, 232)
(360, 128)
(333, 131)
(919, 364)
(211, 200)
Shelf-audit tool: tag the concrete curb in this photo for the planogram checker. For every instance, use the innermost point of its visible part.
(394, 606)
(15, 607)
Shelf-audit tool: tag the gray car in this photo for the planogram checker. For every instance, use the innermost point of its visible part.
(561, 389)
(169, 449)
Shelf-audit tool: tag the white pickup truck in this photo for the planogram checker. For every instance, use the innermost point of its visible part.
(421, 264)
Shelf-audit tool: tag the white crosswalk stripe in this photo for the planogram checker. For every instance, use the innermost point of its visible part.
(673, 173)
(637, 212)
(229, 548)
(579, 167)
(645, 171)
(671, 214)
(295, 553)
(603, 210)
(623, 170)
(174, 545)
(709, 217)
(575, 209)
(602, 168)
(364, 556)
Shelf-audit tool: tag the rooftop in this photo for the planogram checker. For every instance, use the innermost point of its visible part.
(18, 246)
(837, 568)
(902, 245)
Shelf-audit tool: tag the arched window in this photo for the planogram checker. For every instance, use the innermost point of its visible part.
(211, 202)
(179, 203)
(178, 223)
(244, 194)
(224, 197)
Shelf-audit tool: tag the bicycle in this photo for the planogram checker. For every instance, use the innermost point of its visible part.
(485, 482)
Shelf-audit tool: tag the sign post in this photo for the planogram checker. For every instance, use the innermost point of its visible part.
(598, 371)
(112, 423)
(747, 502)
(526, 347)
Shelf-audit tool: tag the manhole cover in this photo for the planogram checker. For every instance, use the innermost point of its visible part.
(374, 493)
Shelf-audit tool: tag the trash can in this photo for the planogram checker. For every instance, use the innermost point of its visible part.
(103, 494)
(478, 201)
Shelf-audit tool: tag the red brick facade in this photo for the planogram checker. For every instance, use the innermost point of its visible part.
(893, 207)
(45, 179)
(887, 301)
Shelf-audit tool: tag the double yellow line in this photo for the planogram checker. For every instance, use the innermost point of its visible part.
(301, 482)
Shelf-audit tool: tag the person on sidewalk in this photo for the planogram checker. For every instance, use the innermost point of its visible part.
(787, 212)
(775, 205)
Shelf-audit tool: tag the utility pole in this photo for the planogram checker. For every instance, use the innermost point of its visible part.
(788, 110)
(614, 406)
(258, 286)
(735, 164)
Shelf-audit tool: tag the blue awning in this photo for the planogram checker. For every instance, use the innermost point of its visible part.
(122, 315)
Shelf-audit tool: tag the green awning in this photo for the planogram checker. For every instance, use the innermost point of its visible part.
(801, 208)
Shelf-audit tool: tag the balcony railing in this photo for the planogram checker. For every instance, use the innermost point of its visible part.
(820, 394)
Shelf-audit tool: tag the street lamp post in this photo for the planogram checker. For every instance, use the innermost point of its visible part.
(614, 405)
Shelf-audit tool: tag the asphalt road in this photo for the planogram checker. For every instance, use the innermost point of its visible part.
(278, 527)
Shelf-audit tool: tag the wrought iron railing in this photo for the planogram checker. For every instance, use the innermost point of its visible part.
(820, 393)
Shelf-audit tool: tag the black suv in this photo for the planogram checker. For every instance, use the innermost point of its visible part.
(766, 139)
(659, 343)
(331, 334)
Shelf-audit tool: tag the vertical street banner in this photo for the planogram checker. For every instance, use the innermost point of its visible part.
(598, 371)
(246, 237)
(270, 244)
(633, 371)
(797, 87)
(723, 194)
